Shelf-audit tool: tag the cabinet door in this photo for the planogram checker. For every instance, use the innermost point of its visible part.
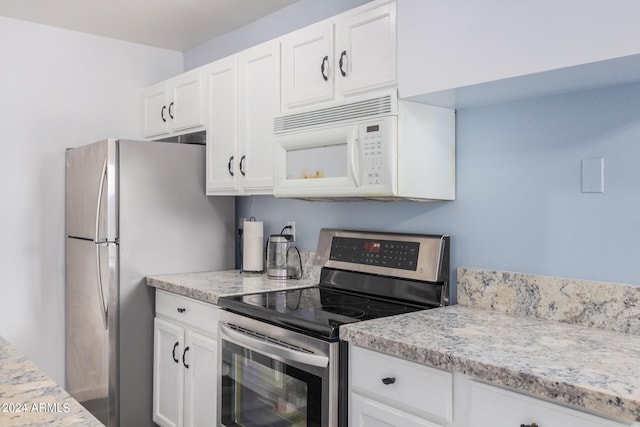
(222, 136)
(496, 407)
(370, 413)
(154, 111)
(259, 103)
(168, 374)
(200, 364)
(366, 50)
(307, 66)
(185, 104)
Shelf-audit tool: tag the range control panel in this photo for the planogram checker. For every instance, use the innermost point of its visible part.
(382, 253)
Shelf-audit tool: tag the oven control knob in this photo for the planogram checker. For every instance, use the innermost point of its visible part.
(388, 380)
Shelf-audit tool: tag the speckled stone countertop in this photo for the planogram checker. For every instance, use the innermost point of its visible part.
(550, 355)
(29, 397)
(209, 286)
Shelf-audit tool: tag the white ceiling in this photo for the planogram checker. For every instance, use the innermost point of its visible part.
(170, 24)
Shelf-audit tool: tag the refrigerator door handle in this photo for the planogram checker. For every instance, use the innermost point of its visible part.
(103, 177)
(105, 308)
(97, 242)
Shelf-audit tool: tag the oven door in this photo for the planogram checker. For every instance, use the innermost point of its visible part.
(280, 379)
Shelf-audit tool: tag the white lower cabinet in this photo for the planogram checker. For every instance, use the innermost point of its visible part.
(371, 413)
(481, 405)
(184, 362)
(387, 391)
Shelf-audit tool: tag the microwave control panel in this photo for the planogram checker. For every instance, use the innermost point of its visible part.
(372, 153)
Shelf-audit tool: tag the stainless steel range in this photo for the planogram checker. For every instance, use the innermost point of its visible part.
(281, 362)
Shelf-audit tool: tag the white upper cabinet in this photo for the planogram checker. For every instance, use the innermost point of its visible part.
(259, 104)
(349, 54)
(366, 50)
(154, 110)
(243, 92)
(186, 106)
(174, 106)
(460, 53)
(222, 135)
(307, 65)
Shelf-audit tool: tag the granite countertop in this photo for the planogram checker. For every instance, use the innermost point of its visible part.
(570, 341)
(209, 286)
(565, 359)
(29, 397)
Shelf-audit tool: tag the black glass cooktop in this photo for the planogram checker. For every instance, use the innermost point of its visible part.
(317, 311)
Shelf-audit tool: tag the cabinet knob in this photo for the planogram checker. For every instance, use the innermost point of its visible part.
(164, 107)
(170, 106)
(181, 310)
(529, 425)
(174, 352)
(342, 63)
(388, 380)
(325, 61)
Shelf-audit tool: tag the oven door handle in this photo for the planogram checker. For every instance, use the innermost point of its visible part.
(274, 349)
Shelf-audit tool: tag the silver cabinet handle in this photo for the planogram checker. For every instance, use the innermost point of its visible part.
(274, 349)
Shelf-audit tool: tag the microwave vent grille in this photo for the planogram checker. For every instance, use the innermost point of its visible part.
(345, 112)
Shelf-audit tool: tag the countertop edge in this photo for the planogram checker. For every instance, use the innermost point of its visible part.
(589, 400)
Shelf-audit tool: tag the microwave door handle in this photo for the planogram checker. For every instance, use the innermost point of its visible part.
(273, 349)
(355, 152)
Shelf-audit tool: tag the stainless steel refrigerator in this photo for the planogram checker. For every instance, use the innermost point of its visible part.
(133, 208)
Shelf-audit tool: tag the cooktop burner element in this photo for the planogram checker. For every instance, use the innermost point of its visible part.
(365, 275)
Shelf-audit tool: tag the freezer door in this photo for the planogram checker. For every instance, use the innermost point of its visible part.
(90, 186)
(91, 338)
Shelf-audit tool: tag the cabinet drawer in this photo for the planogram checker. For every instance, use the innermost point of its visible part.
(193, 313)
(496, 407)
(415, 387)
(366, 412)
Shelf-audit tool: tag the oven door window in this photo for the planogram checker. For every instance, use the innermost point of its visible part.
(258, 391)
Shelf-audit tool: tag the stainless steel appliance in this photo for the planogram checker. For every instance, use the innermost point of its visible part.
(280, 358)
(133, 208)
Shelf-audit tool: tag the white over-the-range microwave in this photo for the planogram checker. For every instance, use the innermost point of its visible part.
(380, 148)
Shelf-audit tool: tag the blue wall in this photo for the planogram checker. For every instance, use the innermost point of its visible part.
(519, 203)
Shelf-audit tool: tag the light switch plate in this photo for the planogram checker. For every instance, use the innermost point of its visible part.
(593, 175)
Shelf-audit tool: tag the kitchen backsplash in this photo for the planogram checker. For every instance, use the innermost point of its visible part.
(309, 269)
(614, 307)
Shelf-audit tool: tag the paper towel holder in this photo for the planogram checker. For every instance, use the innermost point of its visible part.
(252, 251)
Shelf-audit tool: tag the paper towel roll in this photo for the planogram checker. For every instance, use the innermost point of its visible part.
(253, 246)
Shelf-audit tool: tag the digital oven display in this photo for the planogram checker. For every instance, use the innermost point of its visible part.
(371, 247)
(381, 253)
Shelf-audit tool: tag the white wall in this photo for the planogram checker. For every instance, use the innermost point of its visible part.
(59, 89)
